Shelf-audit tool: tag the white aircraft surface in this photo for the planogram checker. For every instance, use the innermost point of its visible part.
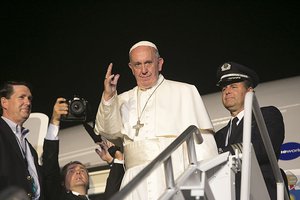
(76, 144)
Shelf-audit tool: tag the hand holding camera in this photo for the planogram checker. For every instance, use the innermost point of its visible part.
(77, 110)
(60, 108)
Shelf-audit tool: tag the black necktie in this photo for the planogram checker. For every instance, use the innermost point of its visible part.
(233, 126)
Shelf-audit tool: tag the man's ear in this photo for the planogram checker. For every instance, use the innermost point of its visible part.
(160, 63)
(3, 102)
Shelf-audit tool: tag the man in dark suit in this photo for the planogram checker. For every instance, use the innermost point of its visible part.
(235, 81)
(72, 182)
(18, 159)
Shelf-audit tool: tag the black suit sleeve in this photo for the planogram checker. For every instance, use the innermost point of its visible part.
(275, 126)
(114, 180)
(51, 170)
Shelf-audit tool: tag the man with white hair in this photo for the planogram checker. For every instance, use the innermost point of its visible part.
(150, 116)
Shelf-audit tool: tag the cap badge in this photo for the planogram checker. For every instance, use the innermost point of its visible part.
(225, 67)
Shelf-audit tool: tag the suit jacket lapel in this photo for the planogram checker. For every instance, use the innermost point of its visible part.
(36, 162)
(224, 135)
(11, 138)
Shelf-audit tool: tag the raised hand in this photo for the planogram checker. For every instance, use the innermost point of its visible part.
(110, 83)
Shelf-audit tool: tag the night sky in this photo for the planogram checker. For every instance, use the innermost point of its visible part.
(64, 48)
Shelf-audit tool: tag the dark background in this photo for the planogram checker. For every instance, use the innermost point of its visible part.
(63, 48)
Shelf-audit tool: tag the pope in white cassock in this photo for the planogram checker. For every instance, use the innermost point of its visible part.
(149, 117)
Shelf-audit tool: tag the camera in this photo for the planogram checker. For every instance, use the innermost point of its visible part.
(77, 110)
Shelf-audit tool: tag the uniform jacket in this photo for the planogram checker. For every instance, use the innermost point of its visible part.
(275, 126)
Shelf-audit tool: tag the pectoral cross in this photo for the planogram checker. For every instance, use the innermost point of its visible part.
(137, 127)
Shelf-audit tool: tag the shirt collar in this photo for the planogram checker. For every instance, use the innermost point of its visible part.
(77, 194)
(17, 129)
(239, 116)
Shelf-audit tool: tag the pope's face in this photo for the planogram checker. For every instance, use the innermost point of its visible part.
(145, 65)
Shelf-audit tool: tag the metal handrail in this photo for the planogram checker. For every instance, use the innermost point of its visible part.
(251, 104)
(165, 158)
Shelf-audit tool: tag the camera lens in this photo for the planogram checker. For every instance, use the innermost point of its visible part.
(77, 107)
